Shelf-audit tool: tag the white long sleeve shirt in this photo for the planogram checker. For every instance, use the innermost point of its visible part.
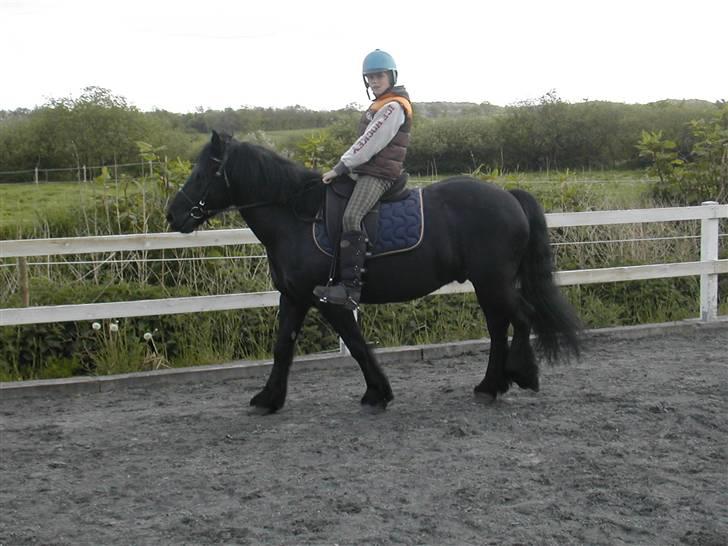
(380, 131)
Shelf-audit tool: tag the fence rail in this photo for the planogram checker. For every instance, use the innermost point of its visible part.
(709, 266)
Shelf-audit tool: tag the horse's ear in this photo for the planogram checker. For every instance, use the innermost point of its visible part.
(216, 142)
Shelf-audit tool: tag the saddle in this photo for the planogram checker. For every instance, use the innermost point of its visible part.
(395, 223)
(337, 196)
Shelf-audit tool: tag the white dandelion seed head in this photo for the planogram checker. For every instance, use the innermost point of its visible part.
(114, 327)
(96, 326)
(147, 336)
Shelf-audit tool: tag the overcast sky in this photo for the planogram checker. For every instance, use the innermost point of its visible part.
(180, 55)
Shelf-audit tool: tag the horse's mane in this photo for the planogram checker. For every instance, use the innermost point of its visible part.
(271, 177)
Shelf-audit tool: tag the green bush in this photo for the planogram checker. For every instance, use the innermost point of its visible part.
(453, 146)
(700, 173)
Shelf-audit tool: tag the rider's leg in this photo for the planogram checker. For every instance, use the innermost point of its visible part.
(352, 247)
(367, 191)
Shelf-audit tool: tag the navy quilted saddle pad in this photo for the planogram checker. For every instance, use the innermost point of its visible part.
(400, 227)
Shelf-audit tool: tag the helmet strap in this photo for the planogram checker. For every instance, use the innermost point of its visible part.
(390, 77)
(366, 86)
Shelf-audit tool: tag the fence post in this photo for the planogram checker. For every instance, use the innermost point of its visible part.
(23, 283)
(84, 173)
(35, 174)
(709, 236)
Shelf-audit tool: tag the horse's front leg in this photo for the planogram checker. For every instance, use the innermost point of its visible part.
(379, 391)
(290, 320)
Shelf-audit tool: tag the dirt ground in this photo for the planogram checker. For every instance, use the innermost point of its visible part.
(627, 446)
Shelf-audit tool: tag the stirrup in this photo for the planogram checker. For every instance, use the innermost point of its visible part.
(351, 304)
(345, 299)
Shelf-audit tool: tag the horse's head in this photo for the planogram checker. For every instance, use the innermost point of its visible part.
(207, 190)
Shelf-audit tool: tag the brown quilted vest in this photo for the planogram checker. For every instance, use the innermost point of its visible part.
(389, 162)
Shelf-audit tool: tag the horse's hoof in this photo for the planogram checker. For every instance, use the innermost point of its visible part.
(375, 402)
(260, 410)
(373, 410)
(485, 397)
(263, 403)
(527, 383)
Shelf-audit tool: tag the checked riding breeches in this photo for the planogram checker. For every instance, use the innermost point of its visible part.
(367, 191)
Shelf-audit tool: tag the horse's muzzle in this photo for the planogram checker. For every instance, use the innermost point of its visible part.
(188, 225)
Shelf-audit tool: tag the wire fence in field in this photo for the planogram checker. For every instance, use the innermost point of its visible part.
(81, 173)
(84, 173)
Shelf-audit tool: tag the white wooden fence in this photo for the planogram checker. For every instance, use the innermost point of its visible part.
(709, 266)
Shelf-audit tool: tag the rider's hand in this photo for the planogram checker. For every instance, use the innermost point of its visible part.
(328, 177)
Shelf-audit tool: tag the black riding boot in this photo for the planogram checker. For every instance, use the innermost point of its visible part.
(352, 253)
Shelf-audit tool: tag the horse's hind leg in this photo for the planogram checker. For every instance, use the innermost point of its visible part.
(506, 365)
(521, 366)
(379, 391)
(495, 381)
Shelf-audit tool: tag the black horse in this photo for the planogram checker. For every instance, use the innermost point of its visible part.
(473, 231)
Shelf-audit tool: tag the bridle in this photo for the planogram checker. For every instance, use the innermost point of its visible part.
(198, 210)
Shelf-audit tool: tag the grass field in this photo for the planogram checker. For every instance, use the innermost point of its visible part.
(290, 137)
(27, 205)
(611, 188)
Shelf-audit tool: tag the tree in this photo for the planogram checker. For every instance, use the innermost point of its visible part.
(97, 128)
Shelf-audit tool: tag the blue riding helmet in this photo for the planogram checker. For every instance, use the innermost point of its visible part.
(379, 61)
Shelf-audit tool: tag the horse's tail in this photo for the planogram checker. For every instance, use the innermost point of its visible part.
(553, 319)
